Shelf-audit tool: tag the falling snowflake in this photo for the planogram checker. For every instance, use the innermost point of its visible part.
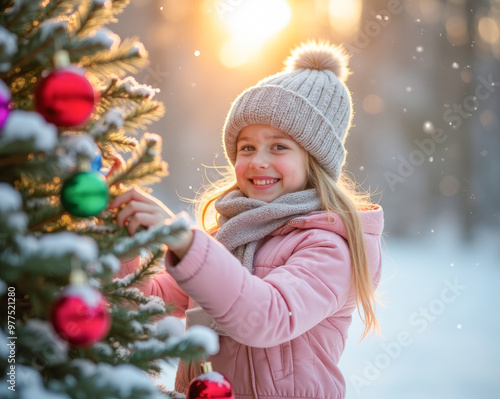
(428, 127)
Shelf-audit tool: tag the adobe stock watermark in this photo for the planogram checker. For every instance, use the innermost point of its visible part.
(419, 320)
(426, 147)
(154, 76)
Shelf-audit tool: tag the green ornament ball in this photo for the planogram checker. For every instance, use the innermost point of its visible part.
(85, 194)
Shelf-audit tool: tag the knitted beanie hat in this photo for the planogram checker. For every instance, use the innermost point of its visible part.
(308, 100)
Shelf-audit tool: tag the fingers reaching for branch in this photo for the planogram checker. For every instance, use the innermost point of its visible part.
(141, 209)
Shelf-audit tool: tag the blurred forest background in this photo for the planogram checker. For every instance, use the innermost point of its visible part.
(426, 140)
(425, 83)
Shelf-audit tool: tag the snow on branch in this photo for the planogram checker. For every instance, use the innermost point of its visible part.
(199, 336)
(154, 305)
(158, 234)
(12, 219)
(122, 381)
(111, 120)
(76, 147)
(29, 384)
(11, 199)
(52, 27)
(103, 3)
(44, 342)
(169, 326)
(26, 132)
(50, 247)
(138, 50)
(66, 243)
(133, 88)
(8, 47)
(105, 38)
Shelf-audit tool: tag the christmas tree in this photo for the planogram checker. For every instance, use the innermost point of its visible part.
(69, 116)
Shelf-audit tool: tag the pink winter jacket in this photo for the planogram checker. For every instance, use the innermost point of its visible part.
(287, 323)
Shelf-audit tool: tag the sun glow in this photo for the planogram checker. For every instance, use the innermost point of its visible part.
(345, 16)
(249, 24)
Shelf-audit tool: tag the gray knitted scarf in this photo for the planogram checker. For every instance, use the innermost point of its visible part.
(244, 222)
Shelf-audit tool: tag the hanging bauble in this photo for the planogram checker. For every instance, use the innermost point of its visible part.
(65, 97)
(85, 194)
(210, 384)
(80, 315)
(5, 98)
(96, 163)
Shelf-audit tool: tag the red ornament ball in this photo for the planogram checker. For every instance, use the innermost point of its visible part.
(65, 97)
(80, 315)
(210, 385)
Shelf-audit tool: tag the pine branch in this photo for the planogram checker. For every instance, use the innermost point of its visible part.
(46, 215)
(128, 57)
(128, 325)
(81, 16)
(22, 13)
(120, 93)
(36, 49)
(119, 142)
(91, 16)
(31, 187)
(119, 6)
(154, 238)
(4, 5)
(26, 57)
(147, 112)
(80, 49)
(56, 8)
(110, 134)
(147, 174)
(41, 203)
(148, 269)
(90, 379)
(148, 150)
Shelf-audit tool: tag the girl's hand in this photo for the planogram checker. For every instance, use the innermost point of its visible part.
(144, 210)
(141, 210)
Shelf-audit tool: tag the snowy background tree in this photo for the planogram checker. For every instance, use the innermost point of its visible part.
(69, 117)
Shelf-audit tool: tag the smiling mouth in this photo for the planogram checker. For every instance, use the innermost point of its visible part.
(264, 182)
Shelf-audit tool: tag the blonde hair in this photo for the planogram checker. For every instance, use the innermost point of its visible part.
(341, 198)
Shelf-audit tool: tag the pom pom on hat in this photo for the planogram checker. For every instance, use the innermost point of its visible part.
(320, 56)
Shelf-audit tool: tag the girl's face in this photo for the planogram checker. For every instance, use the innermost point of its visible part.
(269, 163)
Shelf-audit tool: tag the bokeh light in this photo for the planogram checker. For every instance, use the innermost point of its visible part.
(456, 31)
(488, 30)
(373, 104)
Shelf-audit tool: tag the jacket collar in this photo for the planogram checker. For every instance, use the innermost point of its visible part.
(372, 221)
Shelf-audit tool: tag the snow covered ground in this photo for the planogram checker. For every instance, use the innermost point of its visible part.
(440, 325)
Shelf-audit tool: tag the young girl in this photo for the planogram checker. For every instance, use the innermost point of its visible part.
(291, 250)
